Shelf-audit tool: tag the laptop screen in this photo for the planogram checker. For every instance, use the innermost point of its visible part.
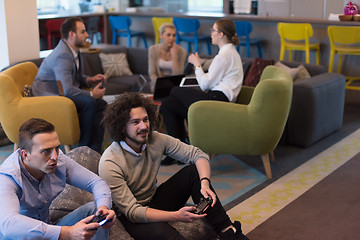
(164, 85)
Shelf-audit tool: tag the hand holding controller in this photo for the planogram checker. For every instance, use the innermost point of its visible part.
(101, 219)
(203, 205)
(102, 85)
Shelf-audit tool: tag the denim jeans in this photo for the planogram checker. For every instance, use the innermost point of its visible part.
(81, 213)
(90, 112)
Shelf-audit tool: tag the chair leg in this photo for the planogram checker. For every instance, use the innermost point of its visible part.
(67, 148)
(145, 43)
(282, 53)
(248, 49)
(209, 47)
(16, 146)
(331, 61)
(272, 156)
(266, 163)
(49, 42)
(340, 62)
(196, 46)
(307, 56)
(259, 50)
(318, 56)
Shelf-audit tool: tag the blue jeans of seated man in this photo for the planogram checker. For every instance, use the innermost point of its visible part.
(90, 112)
(81, 213)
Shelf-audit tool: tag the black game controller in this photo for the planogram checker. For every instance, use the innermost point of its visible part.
(203, 205)
(102, 85)
(101, 219)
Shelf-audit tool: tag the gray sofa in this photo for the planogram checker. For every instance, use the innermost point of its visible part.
(317, 106)
(72, 198)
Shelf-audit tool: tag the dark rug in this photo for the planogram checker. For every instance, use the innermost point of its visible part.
(329, 210)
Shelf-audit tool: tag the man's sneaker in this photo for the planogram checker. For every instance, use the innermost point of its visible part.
(230, 235)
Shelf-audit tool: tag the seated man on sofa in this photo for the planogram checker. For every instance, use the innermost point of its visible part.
(32, 177)
(65, 64)
(130, 166)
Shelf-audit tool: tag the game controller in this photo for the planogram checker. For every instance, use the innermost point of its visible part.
(101, 219)
(102, 85)
(203, 205)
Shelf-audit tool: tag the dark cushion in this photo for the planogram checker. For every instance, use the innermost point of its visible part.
(253, 76)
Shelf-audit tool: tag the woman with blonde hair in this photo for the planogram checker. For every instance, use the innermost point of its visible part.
(166, 58)
(222, 82)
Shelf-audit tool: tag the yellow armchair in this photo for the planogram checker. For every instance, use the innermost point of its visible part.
(16, 109)
(251, 128)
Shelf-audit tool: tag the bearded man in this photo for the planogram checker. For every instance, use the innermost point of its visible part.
(65, 64)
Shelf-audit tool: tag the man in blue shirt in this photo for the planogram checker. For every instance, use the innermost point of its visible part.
(32, 177)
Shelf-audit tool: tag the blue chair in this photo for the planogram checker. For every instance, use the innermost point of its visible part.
(186, 30)
(120, 27)
(243, 30)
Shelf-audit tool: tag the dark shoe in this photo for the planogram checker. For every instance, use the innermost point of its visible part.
(230, 235)
(168, 161)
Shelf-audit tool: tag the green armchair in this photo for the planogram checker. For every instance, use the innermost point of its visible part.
(16, 109)
(251, 126)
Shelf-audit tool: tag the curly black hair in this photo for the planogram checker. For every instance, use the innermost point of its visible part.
(117, 114)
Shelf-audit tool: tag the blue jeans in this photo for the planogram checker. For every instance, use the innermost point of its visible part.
(90, 112)
(81, 213)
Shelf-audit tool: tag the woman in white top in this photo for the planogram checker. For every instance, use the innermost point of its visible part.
(166, 58)
(222, 82)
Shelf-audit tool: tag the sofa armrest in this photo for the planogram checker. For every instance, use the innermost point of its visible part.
(317, 108)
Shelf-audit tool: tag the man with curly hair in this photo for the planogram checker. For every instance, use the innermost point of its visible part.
(130, 166)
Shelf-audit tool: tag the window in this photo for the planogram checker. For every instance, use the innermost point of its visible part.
(48, 7)
(205, 6)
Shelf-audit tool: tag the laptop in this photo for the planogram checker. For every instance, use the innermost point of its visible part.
(189, 82)
(164, 85)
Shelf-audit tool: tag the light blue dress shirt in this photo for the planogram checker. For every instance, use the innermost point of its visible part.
(25, 201)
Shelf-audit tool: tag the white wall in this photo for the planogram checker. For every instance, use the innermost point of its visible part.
(19, 38)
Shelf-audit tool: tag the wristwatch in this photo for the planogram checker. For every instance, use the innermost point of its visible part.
(196, 67)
